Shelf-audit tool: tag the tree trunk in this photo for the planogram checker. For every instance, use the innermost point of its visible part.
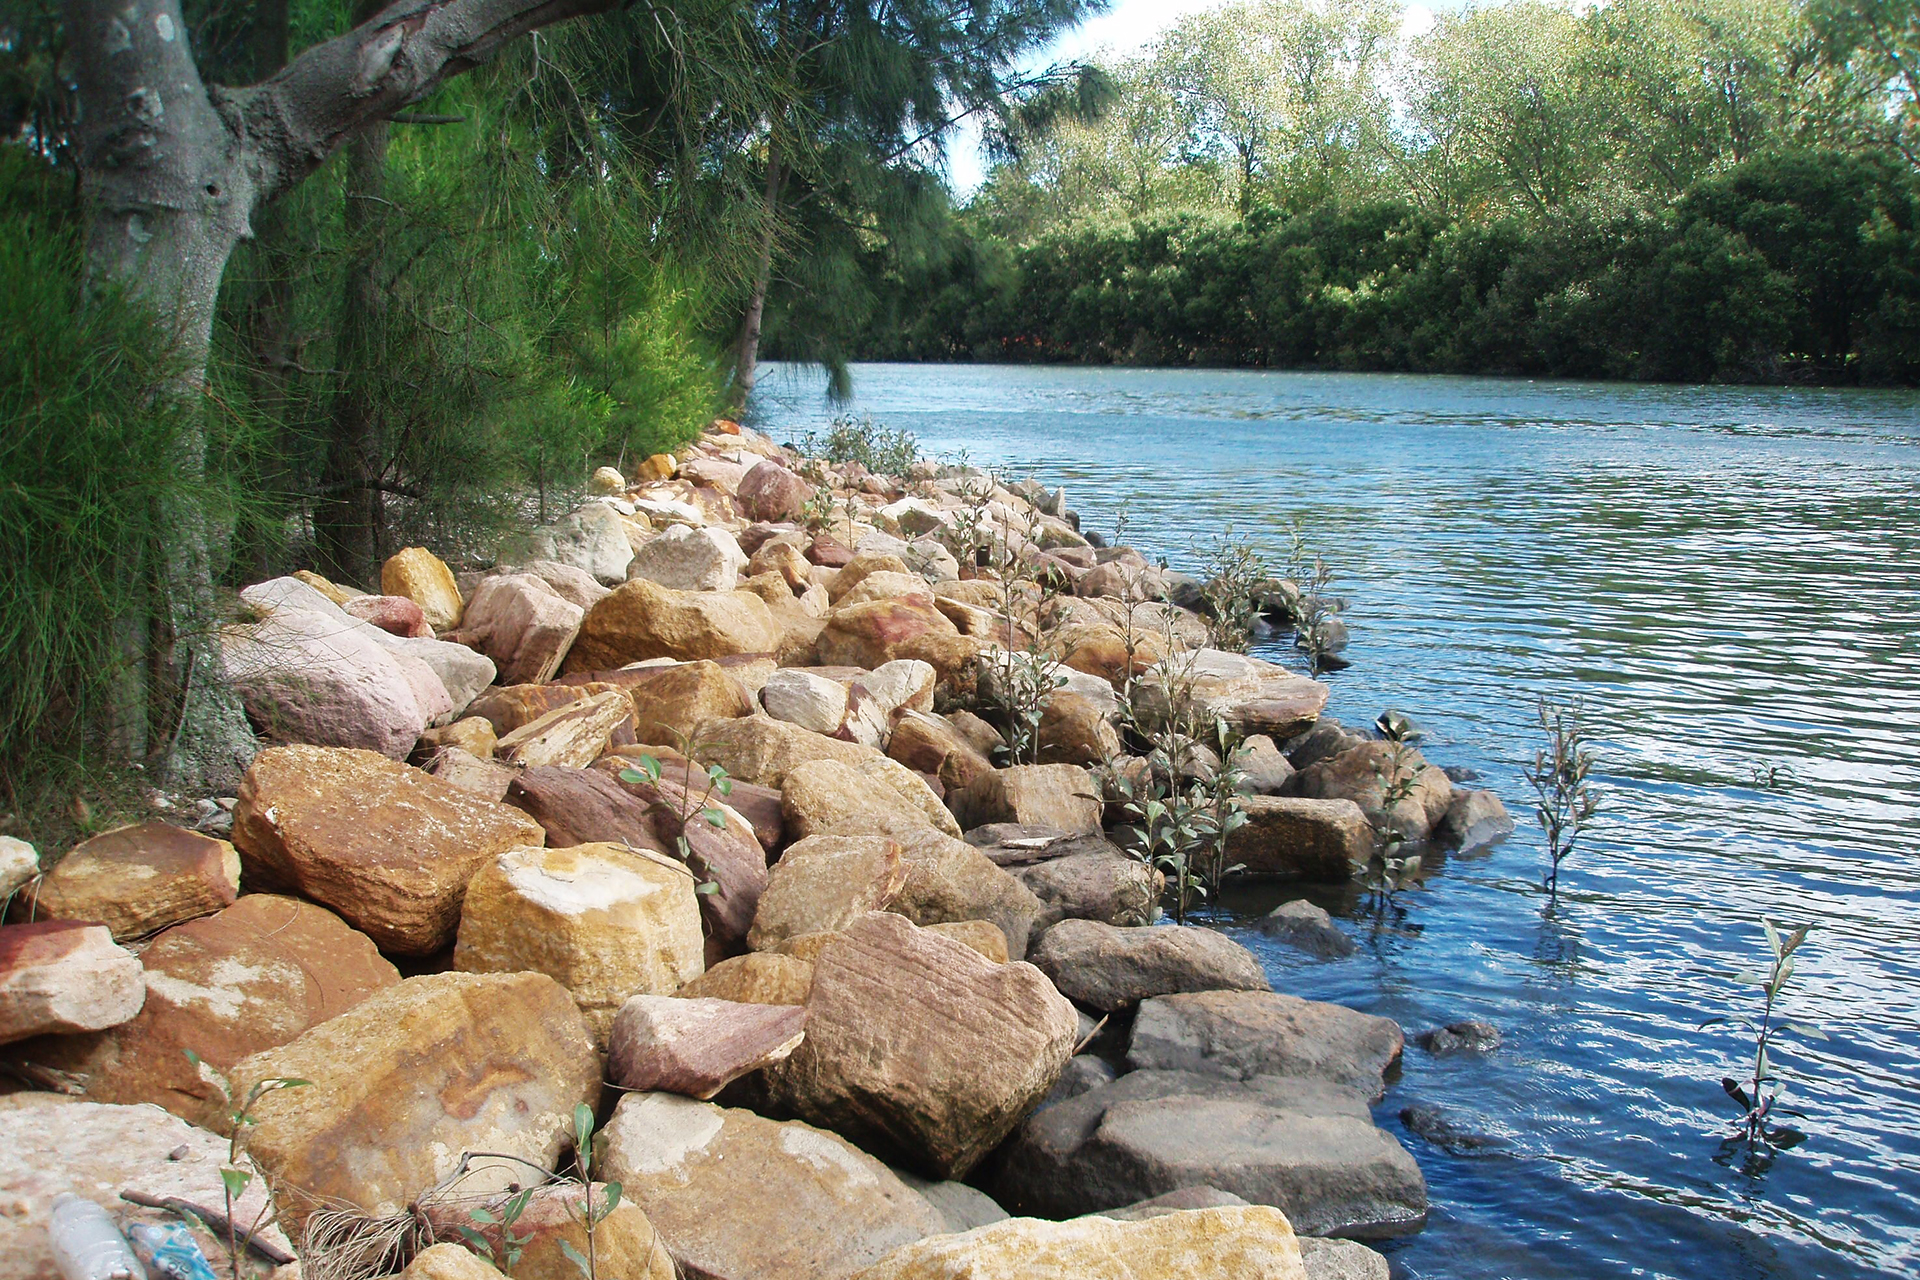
(747, 351)
(349, 516)
(169, 197)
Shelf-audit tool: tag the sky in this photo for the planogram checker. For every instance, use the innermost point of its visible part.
(1126, 28)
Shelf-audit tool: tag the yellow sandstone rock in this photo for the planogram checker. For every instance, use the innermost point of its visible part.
(424, 578)
(1253, 1242)
(601, 920)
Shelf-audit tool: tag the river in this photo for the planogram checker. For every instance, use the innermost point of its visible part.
(1730, 580)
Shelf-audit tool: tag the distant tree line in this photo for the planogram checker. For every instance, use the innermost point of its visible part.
(1653, 189)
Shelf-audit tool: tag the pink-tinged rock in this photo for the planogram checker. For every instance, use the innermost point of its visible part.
(395, 615)
(64, 976)
(522, 624)
(252, 977)
(714, 473)
(770, 492)
(880, 631)
(569, 582)
(696, 1047)
(572, 736)
(140, 879)
(387, 846)
(304, 677)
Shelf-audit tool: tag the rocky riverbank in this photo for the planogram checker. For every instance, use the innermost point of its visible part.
(746, 839)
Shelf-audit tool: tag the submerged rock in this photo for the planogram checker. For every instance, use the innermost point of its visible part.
(1307, 928)
(1470, 1035)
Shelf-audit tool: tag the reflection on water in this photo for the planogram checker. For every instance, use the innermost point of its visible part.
(1729, 579)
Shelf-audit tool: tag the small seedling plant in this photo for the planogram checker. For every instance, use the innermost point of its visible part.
(1393, 870)
(593, 1209)
(1560, 776)
(1234, 576)
(647, 770)
(1758, 1094)
(503, 1219)
(234, 1177)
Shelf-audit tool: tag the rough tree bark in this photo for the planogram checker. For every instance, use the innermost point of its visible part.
(747, 348)
(175, 169)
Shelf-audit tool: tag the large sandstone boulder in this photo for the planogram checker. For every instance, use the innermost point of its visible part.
(823, 884)
(837, 1208)
(930, 744)
(811, 701)
(1107, 968)
(1047, 795)
(56, 1146)
(762, 750)
(395, 615)
(643, 620)
(1252, 695)
(879, 631)
(1241, 1034)
(249, 978)
(1306, 1147)
(305, 677)
(604, 922)
(1362, 774)
(948, 881)
(409, 1080)
(140, 879)
(697, 1046)
(523, 624)
(683, 558)
(388, 847)
(1255, 1242)
(1076, 729)
(920, 1049)
(1327, 841)
(423, 578)
(585, 806)
(820, 795)
(19, 864)
(1474, 820)
(63, 976)
(682, 699)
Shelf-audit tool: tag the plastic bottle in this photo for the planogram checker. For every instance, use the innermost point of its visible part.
(86, 1244)
(169, 1251)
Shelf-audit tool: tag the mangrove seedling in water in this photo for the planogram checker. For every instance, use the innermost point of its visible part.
(1758, 1094)
(1390, 871)
(1235, 576)
(1565, 798)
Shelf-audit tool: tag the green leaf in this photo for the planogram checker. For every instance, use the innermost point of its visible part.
(582, 1125)
(478, 1241)
(715, 818)
(479, 1214)
(613, 1196)
(578, 1259)
(1807, 1029)
(236, 1181)
(707, 886)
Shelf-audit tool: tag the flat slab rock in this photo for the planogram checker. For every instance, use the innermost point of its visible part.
(140, 879)
(1106, 968)
(1242, 1034)
(95, 1150)
(62, 976)
(736, 1196)
(1245, 1243)
(1306, 1147)
(695, 1046)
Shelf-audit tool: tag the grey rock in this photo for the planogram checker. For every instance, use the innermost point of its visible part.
(960, 1207)
(1106, 968)
(1307, 1147)
(1084, 1073)
(1099, 884)
(1013, 843)
(1177, 1202)
(1341, 1260)
(1242, 1034)
(1327, 739)
(1308, 928)
(1442, 1130)
(1266, 772)
(1470, 1035)
(1474, 820)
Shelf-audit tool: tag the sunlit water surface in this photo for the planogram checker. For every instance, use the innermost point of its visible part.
(1728, 578)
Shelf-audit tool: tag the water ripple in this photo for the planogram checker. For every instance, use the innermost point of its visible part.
(1729, 578)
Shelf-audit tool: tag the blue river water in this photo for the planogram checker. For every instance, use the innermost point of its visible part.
(1730, 580)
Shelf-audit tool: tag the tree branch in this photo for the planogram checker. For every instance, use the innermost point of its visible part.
(293, 120)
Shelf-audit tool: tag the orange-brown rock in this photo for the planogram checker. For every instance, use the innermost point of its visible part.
(642, 620)
(671, 701)
(387, 846)
(249, 978)
(572, 736)
(403, 1083)
(920, 1049)
(879, 631)
(59, 976)
(472, 734)
(1328, 841)
(1363, 774)
(759, 977)
(140, 879)
(1042, 795)
(859, 568)
(930, 744)
(823, 883)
